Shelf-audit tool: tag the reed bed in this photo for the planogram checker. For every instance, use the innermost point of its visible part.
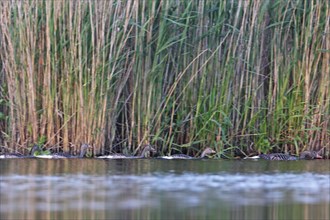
(240, 76)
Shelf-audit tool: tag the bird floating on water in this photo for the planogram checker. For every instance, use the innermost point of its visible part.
(32, 153)
(306, 155)
(83, 151)
(147, 152)
(208, 152)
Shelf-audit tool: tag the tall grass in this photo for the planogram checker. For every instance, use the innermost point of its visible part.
(234, 75)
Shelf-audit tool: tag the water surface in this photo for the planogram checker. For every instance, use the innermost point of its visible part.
(163, 189)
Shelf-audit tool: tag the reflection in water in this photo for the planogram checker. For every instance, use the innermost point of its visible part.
(158, 189)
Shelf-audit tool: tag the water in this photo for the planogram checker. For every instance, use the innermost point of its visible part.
(163, 189)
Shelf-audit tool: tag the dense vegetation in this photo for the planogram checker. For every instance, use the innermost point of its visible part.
(235, 75)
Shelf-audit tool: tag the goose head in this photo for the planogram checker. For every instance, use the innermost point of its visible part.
(148, 151)
(310, 155)
(83, 150)
(35, 149)
(208, 152)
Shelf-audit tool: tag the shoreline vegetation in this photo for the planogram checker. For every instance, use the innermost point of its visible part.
(241, 77)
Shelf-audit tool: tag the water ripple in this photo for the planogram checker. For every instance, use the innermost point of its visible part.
(187, 190)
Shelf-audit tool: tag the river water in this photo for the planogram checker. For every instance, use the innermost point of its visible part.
(163, 189)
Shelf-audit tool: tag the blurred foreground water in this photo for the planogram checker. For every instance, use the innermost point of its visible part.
(163, 189)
